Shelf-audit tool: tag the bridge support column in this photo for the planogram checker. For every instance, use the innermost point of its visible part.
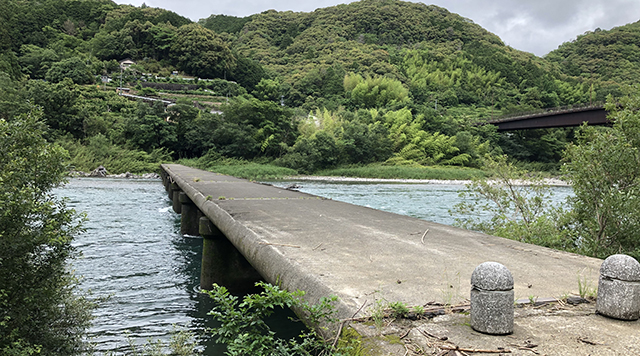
(170, 187)
(167, 184)
(222, 263)
(190, 215)
(175, 198)
(163, 176)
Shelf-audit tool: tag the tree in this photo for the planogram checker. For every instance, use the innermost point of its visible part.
(602, 218)
(36, 61)
(150, 132)
(267, 89)
(374, 92)
(58, 102)
(199, 51)
(269, 124)
(73, 68)
(11, 97)
(40, 310)
(604, 169)
(517, 203)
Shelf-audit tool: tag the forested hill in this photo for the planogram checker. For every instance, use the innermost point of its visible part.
(612, 56)
(388, 38)
(373, 81)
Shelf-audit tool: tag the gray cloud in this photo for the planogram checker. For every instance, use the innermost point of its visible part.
(537, 26)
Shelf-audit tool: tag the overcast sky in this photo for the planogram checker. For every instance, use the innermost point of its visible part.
(537, 26)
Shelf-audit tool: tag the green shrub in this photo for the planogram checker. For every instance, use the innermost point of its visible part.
(405, 172)
(244, 330)
(100, 151)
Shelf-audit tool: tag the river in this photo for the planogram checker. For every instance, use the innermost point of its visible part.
(132, 251)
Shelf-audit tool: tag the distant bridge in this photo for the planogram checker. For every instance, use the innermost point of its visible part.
(592, 115)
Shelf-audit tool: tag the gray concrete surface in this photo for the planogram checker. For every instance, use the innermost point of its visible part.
(362, 255)
(552, 329)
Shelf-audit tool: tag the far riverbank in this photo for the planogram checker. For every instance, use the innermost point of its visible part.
(548, 181)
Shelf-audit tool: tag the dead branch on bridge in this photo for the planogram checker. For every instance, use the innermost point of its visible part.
(480, 351)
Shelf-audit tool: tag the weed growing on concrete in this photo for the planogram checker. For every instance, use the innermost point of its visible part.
(377, 312)
(209, 197)
(394, 339)
(196, 179)
(418, 309)
(222, 198)
(451, 290)
(585, 288)
(398, 309)
(351, 343)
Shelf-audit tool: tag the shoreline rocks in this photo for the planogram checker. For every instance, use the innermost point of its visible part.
(101, 172)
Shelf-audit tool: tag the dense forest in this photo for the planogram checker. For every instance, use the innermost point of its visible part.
(371, 82)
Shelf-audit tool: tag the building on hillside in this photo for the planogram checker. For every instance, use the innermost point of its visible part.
(126, 63)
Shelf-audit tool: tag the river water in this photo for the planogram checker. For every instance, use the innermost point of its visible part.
(133, 252)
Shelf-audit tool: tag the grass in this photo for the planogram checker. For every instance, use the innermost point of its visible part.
(254, 171)
(405, 172)
(585, 287)
(261, 170)
(240, 168)
(116, 159)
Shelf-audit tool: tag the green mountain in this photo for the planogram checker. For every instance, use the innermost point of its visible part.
(371, 81)
(313, 51)
(602, 56)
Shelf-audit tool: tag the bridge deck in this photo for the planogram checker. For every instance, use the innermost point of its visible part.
(326, 247)
(553, 118)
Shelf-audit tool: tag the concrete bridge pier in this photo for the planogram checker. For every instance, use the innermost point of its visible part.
(174, 195)
(222, 263)
(163, 177)
(190, 215)
(171, 187)
(166, 180)
(167, 185)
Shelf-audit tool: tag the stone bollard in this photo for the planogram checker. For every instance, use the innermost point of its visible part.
(619, 288)
(492, 299)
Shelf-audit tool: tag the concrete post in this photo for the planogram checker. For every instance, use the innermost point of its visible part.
(619, 288)
(175, 198)
(492, 299)
(222, 263)
(189, 220)
(167, 183)
(163, 176)
(172, 187)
